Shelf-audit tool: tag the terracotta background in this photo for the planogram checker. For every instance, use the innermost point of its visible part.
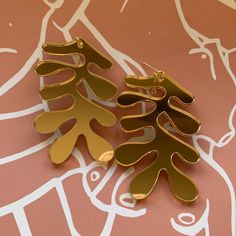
(194, 41)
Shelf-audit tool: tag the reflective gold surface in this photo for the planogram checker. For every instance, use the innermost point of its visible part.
(165, 144)
(83, 110)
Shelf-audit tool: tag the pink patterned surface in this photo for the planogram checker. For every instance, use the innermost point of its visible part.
(193, 41)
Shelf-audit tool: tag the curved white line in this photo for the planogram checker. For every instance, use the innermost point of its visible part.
(123, 6)
(33, 58)
(209, 158)
(122, 60)
(193, 229)
(56, 182)
(8, 50)
(229, 3)
(36, 194)
(201, 40)
(27, 152)
(25, 112)
(120, 57)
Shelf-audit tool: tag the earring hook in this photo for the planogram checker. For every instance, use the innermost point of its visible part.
(160, 74)
(146, 64)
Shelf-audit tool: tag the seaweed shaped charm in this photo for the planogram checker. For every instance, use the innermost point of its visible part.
(164, 144)
(83, 110)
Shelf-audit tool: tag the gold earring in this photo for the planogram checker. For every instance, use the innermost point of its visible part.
(165, 144)
(83, 110)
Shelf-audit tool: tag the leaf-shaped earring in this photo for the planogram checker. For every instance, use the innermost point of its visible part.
(165, 144)
(83, 110)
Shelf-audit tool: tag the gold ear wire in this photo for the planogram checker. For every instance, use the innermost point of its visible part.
(146, 64)
(158, 73)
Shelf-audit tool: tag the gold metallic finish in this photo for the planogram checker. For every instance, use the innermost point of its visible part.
(83, 110)
(165, 144)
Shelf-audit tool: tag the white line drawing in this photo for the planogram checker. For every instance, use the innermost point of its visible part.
(33, 58)
(17, 208)
(192, 228)
(25, 112)
(201, 40)
(209, 158)
(27, 152)
(8, 50)
(123, 6)
(123, 208)
(113, 209)
(229, 3)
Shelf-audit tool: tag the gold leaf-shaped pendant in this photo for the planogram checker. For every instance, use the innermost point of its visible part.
(83, 110)
(165, 144)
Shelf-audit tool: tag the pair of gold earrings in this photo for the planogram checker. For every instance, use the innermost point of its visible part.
(165, 144)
